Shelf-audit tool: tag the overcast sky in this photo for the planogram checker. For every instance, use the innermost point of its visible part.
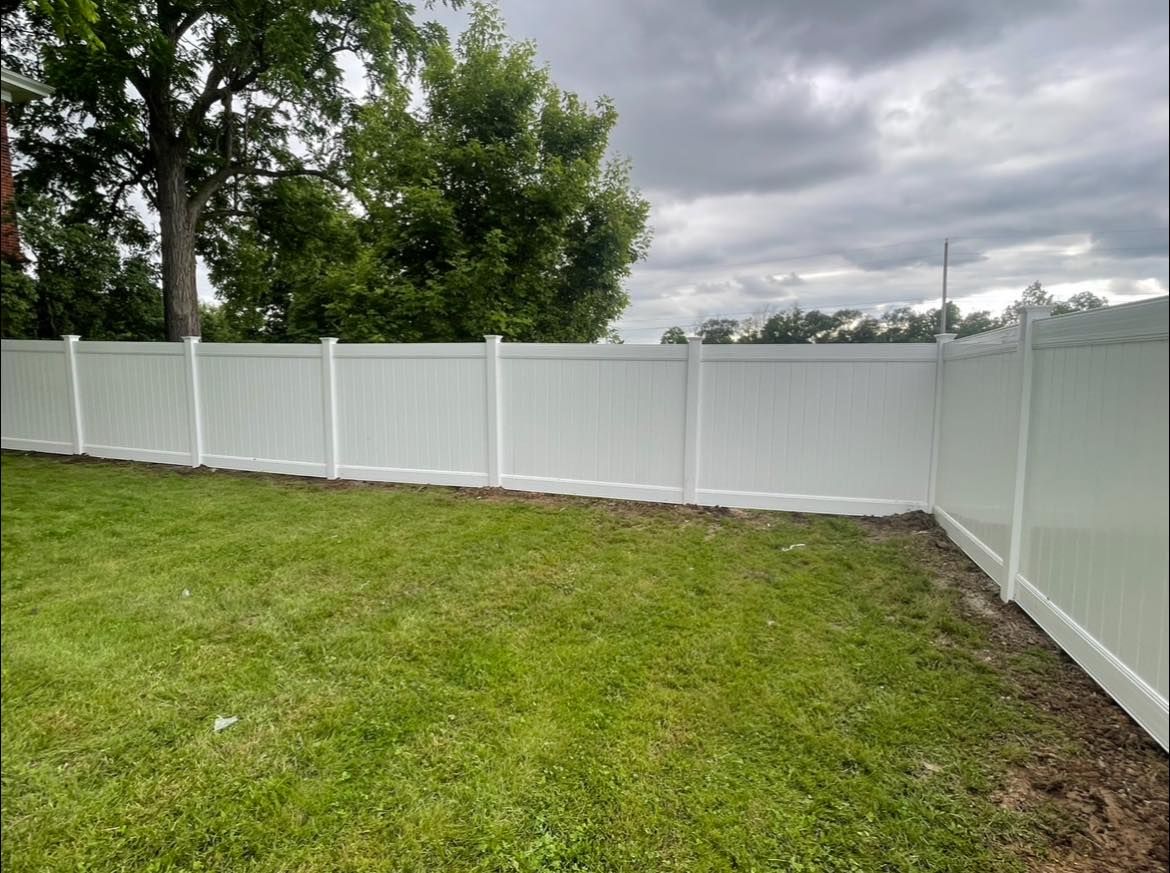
(766, 133)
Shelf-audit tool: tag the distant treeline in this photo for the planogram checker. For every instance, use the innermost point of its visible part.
(901, 325)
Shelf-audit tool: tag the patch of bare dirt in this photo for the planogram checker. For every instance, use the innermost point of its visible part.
(1113, 791)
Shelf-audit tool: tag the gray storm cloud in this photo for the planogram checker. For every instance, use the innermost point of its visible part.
(820, 151)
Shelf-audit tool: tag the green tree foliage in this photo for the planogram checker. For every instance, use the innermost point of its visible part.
(1082, 301)
(1035, 295)
(98, 282)
(972, 323)
(18, 302)
(287, 264)
(674, 336)
(900, 325)
(718, 330)
(217, 327)
(180, 99)
(73, 17)
(489, 210)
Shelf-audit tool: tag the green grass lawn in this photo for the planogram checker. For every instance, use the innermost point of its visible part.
(431, 680)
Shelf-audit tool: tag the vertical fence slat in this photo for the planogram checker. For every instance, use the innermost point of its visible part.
(74, 393)
(691, 439)
(1029, 315)
(194, 413)
(936, 428)
(329, 403)
(491, 352)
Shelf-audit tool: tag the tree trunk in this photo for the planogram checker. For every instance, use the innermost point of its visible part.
(177, 232)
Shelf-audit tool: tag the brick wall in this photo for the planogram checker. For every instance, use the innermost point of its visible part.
(9, 238)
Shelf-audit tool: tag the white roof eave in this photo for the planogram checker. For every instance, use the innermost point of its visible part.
(20, 89)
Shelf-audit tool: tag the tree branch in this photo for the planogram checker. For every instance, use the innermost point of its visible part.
(212, 93)
(207, 97)
(234, 75)
(227, 146)
(133, 179)
(228, 213)
(186, 24)
(289, 174)
(217, 179)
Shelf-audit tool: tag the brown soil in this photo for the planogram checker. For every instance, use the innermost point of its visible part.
(1111, 786)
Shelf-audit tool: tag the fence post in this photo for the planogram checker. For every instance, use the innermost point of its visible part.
(74, 386)
(191, 353)
(1029, 315)
(491, 352)
(936, 428)
(691, 439)
(329, 404)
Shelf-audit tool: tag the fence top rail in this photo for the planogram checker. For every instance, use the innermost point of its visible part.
(257, 350)
(1140, 321)
(104, 347)
(1129, 322)
(410, 350)
(954, 351)
(823, 352)
(595, 351)
(1009, 334)
(15, 345)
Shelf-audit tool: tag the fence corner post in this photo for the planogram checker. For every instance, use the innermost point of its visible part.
(329, 403)
(693, 402)
(941, 339)
(491, 359)
(194, 412)
(1029, 315)
(73, 383)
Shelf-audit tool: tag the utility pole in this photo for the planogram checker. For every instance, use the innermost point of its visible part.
(942, 313)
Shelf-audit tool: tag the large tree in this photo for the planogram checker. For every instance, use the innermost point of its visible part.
(177, 99)
(1035, 295)
(487, 205)
(97, 281)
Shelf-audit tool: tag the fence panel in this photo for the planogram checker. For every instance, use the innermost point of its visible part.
(34, 396)
(261, 407)
(602, 421)
(1095, 545)
(412, 413)
(133, 399)
(977, 445)
(842, 428)
(1090, 535)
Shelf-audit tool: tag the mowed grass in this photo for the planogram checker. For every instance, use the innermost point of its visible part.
(430, 681)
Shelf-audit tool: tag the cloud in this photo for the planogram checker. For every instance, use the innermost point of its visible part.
(748, 287)
(819, 151)
(707, 139)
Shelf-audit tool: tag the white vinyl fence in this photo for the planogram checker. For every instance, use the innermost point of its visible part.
(813, 428)
(1042, 450)
(1052, 475)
